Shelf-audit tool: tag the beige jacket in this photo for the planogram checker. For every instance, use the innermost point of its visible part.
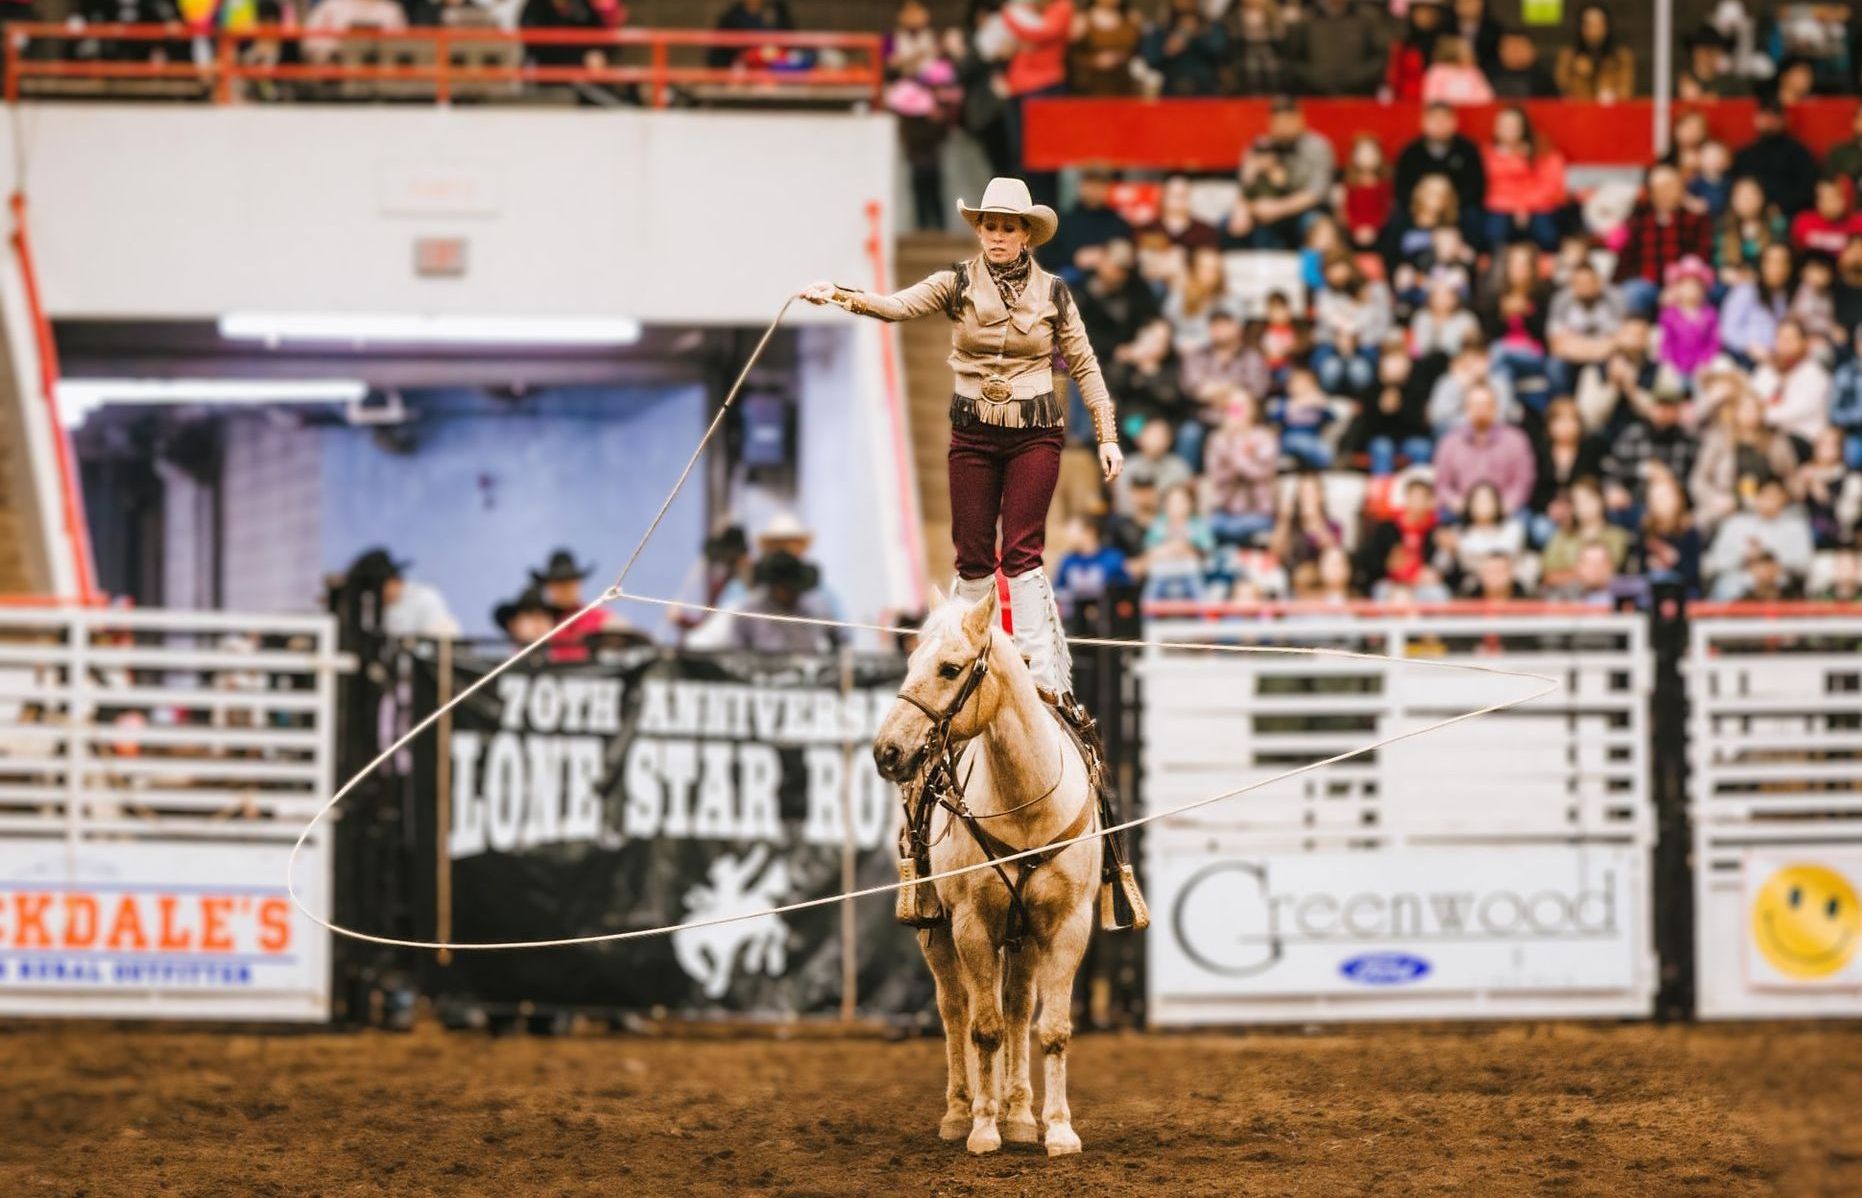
(1003, 358)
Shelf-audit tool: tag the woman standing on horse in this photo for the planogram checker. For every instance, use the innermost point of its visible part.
(1011, 321)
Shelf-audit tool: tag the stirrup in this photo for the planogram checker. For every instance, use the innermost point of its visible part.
(918, 905)
(1121, 903)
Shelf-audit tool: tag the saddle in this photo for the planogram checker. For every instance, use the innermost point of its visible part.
(1121, 902)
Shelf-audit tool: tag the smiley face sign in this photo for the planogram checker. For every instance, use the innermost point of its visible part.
(1805, 921)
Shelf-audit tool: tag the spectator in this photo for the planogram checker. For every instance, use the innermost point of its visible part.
(1831, 493)
(1748, 226)
(1177, 547)
(1710, 183)
(1413, 53)
(1143, 374)
(1227, 362)
(525, 619)
(1432, 245)
(1846, 403)
(1794, 386)
(1784, 168)
(1525, 183)
(1258, 35)
(1581, 327)
(1484, 450)
(913, 44)
(1589, 526)
(1396, 421)
(1738, 455)
(1442, 150)
(1445, 327)
(1310, 164)
(1192, 303)
(1176, 221)
(1453, 78)
(1367, 194)
(1303, 416)
(1668, 549)
(1752, 310)
(1484, 530)
(1512, 308)
(1305, 532)
(1474, 24)
(1564, 456)
(1843, 584)
(1127, 527)
(386, 16)
(1496, 580)
(1086, 229)
(720, 580)
(785, 586)
(1338, 50)
(1402, 547)
(1595, 66)
(1609, 394)
(1709, 74)
(1690, 326)
(1770, 528)
(560, 581)
(1090, 567)
(1661, 232)
(1593, 581)
(1656, 446)
(1115, 303)
(981, 54)
(1471, 368)
(1153, 464)
(1813, 303)
(1847, 301)
(1187, 50)
(745, 16)
(1104, 43)
(1520, 75)
(1827, 225)
(1242, 460)
(1350, 320)
(1281, 338)
(1844, 159)
(1328, 580)
(408, 608)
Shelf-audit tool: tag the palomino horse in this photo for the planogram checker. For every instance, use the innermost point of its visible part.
(1024, 782)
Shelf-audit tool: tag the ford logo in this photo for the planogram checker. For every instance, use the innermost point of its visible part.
(1384, 969)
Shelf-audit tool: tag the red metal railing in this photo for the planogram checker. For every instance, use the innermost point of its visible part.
(1190, 609)
(232, 61)
(70, 494)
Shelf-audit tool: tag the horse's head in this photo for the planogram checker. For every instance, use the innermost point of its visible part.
(947, 679)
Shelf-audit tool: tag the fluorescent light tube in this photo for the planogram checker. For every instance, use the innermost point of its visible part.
(361, 328)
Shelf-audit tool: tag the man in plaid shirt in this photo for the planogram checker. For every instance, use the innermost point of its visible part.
(1661, 232)
(1656, 438)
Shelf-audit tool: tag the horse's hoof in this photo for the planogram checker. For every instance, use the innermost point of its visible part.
(1062, 1140)
(984, 1139)
(954, 1127)
(1018, 1132)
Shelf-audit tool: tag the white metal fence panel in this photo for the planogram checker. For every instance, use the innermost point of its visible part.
(1495, 868)
(155, 769)
(1775, 746)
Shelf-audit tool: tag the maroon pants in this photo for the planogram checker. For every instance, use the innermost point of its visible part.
(1007, 474)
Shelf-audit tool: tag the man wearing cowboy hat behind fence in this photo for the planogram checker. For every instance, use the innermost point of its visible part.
(560, 581)
(1010, 320)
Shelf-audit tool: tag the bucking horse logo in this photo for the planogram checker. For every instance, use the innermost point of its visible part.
(709, 955)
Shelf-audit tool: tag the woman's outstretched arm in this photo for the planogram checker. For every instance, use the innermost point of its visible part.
(933, 294)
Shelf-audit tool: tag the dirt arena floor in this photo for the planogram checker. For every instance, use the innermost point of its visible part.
(1540, 1109)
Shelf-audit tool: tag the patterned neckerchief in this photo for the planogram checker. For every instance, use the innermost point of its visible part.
(1011, 277)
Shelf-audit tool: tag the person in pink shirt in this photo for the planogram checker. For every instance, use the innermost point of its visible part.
(1452, 78)
(1043, 30)
(1525, 183)
(560, 582)
(1690, 325)
(1484, 451)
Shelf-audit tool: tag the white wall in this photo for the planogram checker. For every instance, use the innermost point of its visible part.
(157, 211)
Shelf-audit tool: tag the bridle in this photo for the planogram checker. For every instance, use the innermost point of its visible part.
(942, 787)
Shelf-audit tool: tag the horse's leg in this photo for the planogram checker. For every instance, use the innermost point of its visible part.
(1018, 1125)
(981, 964)
(941, 955)
(1054, 972)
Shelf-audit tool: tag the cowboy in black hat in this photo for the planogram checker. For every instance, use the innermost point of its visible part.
(560, 581)
(524, 618)
(785, 586)
(407, 608)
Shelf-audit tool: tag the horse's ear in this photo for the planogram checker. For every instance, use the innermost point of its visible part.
(977, 621)
(934, 598)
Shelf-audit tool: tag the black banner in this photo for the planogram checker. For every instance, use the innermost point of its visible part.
(604, 798)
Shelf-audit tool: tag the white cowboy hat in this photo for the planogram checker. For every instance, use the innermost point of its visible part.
(1010, 197)
(784, 526)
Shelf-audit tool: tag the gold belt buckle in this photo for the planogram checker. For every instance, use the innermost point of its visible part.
(996, 388)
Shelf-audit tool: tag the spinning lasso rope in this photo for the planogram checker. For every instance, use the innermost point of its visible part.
(615, 592)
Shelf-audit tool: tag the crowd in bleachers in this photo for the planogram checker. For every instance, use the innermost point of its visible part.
(1451, 376)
